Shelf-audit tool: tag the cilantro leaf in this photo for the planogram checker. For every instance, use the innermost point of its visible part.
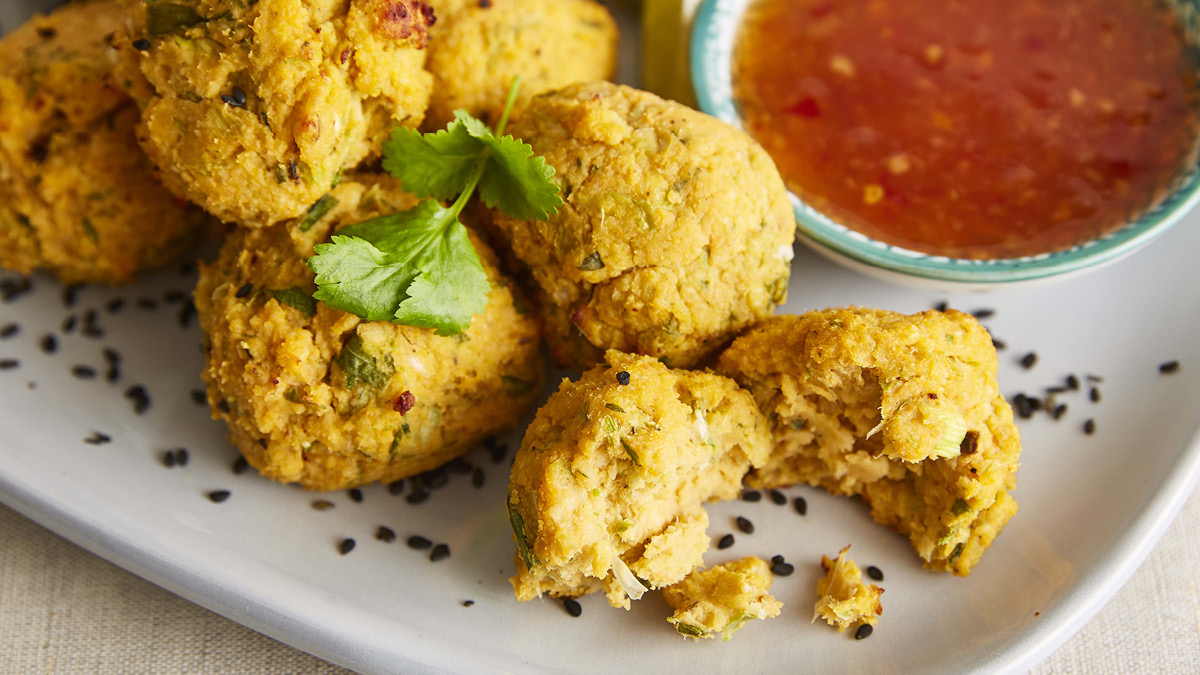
(416, 267)
(516, 182)
(433, 165)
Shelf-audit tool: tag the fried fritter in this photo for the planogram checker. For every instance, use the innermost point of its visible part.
(320, 397)
(903, 411)
(476, 48)
(719, 601)
(675, 235)
(606, 490)
(77, 196)
(252, 109)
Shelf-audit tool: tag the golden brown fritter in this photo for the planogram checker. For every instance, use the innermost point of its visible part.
(845, 600)
(252, 109)
(675, 235)
(903, 411)
(476, 48)
(607, 487)
(320, 397)
(77, 196)
(719, 601)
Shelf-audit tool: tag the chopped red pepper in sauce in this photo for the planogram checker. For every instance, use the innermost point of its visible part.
(972, 129)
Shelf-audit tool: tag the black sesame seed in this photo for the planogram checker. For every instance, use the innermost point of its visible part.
(439, 553)
(777, 497)
(468, 603)
(182, 456)
(875, 573)
(1029, 360)
(1024, 406)
(115, 305)
(9, 330)
(83, 372)
(9, 364)
(11, 289)
(459, 466)
(68, 324)
(1056, 390)
(141, 44)
(751, 496)
(1058, 411)
(140, 398)
(356, 495)
(499, 452)
(983, 313)
(725, 542)
(477, 478)
(49, 344)
(147, 303)
(623, 378)
(175, 296)
(322, 505)
(782, 569)
(223, 406)
(111, 355)
(776, 559)
(1089, 427)
(1094, 378)
(573, 607)
(418, 543)
(999, 344)
(396, 488)
(70, 294)
(745, 525)
(90, 329)
(198, 397)
(864, 631)
(218, 496)
(238, 95)
(942, 306)
(434, 479)
(345, 546)
(801, 505)
(385, 534)
(239, 466)
(112, 374)
(1168, 368)
(1072, 383)
(168, 459)
(1094, 394)
(244, 291)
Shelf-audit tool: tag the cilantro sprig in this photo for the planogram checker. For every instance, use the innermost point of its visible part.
(418, 267)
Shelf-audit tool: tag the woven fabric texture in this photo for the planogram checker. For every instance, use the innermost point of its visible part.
(64, 610)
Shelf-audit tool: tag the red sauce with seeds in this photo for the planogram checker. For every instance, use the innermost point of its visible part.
(973, 129)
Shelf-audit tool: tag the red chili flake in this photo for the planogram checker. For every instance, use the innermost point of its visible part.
(807, 107)
(404, 402)
(345, 56)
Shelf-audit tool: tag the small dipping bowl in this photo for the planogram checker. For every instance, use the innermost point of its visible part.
(714, 33)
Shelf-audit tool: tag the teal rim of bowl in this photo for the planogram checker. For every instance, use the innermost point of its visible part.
(714, 32)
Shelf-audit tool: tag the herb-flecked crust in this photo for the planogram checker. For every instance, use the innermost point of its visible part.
(613, 476)
(77, 196)
(319, 397)
(675, 234)
(251, 109)
(858, 399)
(476, 48)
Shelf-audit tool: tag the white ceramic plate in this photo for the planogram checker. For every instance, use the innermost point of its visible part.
(1091, 506)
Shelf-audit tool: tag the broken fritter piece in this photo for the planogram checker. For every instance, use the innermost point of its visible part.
(903, 411)
(845, 600)
(606, 490)
(721, 600)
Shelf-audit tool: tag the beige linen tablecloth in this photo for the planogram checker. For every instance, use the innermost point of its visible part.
(63, 610)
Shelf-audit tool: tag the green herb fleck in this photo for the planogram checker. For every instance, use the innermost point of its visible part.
(192, 96)
(170, 17)
(316, 212)
(736, 623)
(690, 630)
(614, 406)
(960, 507)
(295, 298)
(518, 526)
(515, 386)
(90, 231)
(358, 365)
(591, 263)
(632, 455)
(798, 423)
(954, 555)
